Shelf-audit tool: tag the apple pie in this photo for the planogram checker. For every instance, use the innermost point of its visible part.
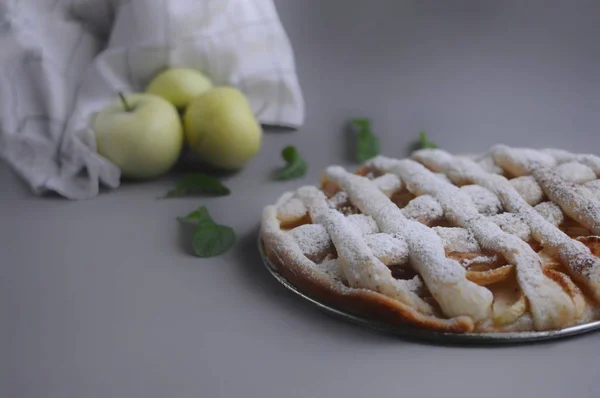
(506, 241)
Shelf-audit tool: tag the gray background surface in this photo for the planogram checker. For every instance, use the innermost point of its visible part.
(100, 298)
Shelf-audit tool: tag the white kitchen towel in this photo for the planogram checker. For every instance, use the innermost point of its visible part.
(63, 60)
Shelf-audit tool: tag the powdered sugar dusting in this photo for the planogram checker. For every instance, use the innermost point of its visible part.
(442, 176)
(364, 223)
(458, 240)
(484, 201)
(574, 201)
(486, 162)
(584, 266)
(279, 240)
(529, 189)
(331, 267)
(575, 172)
(388, 184)
(312, 239)
(551, 212)
(390, 250)
(424, 209)
(360, 267)
(445, 278)
(561, 156)
(290, 209)
(461, 240)
(594, 188)
(514, 224)
(550, 305)
(517, 160)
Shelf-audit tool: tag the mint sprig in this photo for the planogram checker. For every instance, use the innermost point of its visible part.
(425, 142)
(296, 165)
(197, 184)
(210, 239)
(367, 143)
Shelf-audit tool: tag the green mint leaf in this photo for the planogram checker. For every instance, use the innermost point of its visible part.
(213, 240)
(198, 184)
(296, 166)
(367, 144)
(199, 217)
(424, 141)
(210, 239)
(361, 123)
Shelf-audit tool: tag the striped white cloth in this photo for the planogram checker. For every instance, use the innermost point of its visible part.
(63, 60)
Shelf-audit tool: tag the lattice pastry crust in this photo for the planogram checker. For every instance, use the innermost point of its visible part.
(501, 242)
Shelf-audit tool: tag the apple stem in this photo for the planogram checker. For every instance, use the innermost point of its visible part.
(125, 104)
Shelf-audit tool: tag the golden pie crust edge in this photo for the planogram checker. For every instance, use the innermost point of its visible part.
(360, 302)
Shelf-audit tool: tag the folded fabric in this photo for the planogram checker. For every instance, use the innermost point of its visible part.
(61, 63)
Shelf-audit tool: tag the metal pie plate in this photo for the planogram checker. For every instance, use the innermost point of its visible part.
(412, 332)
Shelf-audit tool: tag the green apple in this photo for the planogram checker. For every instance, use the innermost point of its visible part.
(141, 134)
(179, 85)
(221, 129)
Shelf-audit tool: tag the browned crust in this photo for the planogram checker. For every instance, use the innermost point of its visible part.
(360, 302)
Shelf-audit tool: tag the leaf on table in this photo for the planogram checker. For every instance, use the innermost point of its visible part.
(198, 217)
(198, 184)
(425, 142)
(367, 144)
(296, 165)
(210, 239)
(214, 240)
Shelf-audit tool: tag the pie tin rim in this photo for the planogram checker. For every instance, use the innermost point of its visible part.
(414, 332)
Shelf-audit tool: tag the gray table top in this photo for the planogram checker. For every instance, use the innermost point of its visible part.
(100, 298)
